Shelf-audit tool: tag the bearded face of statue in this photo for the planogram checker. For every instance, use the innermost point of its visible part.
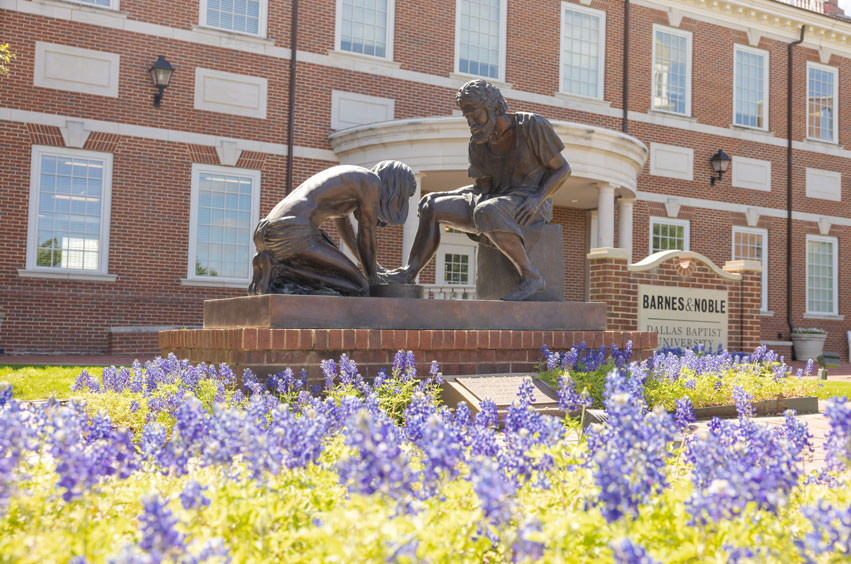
(482, 122)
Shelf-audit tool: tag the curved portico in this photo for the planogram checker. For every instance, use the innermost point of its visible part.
(605, 164)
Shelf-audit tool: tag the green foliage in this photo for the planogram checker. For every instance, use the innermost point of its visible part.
(41, 382)
(6, 57)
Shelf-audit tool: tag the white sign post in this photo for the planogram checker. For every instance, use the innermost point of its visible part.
(684, 317)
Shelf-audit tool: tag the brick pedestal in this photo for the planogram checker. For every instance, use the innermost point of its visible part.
(267, 351)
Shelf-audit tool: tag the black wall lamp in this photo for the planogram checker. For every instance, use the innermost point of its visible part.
(161, 72)
(720, 162)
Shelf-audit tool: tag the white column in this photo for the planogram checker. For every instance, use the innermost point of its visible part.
(409, 230)
(606, 215)
(625, 224)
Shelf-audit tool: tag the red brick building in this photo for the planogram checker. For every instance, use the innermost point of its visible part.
(119, 218)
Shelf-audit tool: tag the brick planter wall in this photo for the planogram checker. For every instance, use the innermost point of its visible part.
(267, 351)
(613, 281)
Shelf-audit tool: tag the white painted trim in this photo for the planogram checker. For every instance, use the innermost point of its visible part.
(835, 72)
(835, 255)
(815, 177)
(214, 283)
(197, 169)
(689, 56)
(339, 96)
(70, 275)
(503, 38)
(169, 135)
(737, 181)
(261, 21)
(825, 317)
(32, 220)
(766, 83)
(237, 81)
(391, 32)
(684, 223)
(43, 51)
(764, 233)
(601, 47)
(654, 260)
(657, 160)
(113, 4)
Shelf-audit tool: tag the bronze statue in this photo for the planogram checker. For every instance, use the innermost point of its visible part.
(516, 161)
(294, 256)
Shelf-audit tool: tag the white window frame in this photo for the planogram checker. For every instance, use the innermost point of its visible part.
(690, 55)
(835, 72)
(764, 234)
(601, 66)
(261, 23)
(503, 35)
(197, 169)
(457, 243)
(32, 228)
(765, 83)
(113, 4)
(391, 26)
(686, 224)
(835, 242)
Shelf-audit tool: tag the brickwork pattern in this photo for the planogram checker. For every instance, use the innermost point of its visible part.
(268, 351)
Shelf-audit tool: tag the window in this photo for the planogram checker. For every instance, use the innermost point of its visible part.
(225, 209)
(821, 275)
(821, 102)
(583, 40)
(69, 211)
(671, 70)
(240, 16)
(668, 234)
(750, 87)
(112, 4)
(456, 259)
(480, 38)
(750, 243)
(365, 27)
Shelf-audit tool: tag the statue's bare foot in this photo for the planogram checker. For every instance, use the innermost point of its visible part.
(527, 287)
(396, 276)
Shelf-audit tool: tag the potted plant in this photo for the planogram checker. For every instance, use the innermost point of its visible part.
(809, 343)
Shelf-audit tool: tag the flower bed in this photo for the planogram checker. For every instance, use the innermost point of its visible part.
(170, 462)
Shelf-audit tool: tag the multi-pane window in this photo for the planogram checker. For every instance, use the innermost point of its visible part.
(69, 210)
(103, 3)
(750, 243)
(242, 16)
(750, 87)
(225, 209)
(480, 36)
(668, 234)
(821, 275)
(671, 70)
(582, 50)
(821, 102)
(456, 268)
(363, 26)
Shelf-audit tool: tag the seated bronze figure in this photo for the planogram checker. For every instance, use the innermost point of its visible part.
(294, 256)
(517, 166)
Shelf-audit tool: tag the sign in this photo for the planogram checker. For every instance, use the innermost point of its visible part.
(684, 317)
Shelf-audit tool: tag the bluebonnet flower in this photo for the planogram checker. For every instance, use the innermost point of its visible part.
(831, 531)
(159, 536)
(214, 549)
(417, 414)
(627, 552)
(838, 444)
(739, 462)
(736, 554)
(796, 432)
(629, 451)
(526, 549)
(329, 370)
(407, 549)
(443, 448)
(18, 434)
(568, 399)
(495, 493)
(134, 406)
(192, 496)
(690, 384)
(744, 402)
(378, 463)
(685, 413)
(487, 416)
(85, 382)
(809, 369)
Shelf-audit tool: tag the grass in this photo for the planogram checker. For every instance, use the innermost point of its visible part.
(40, 382)
(825, 389)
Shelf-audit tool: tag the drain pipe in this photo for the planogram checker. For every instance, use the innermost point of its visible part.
(625, 125)
(291, 126)
(789, 112)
